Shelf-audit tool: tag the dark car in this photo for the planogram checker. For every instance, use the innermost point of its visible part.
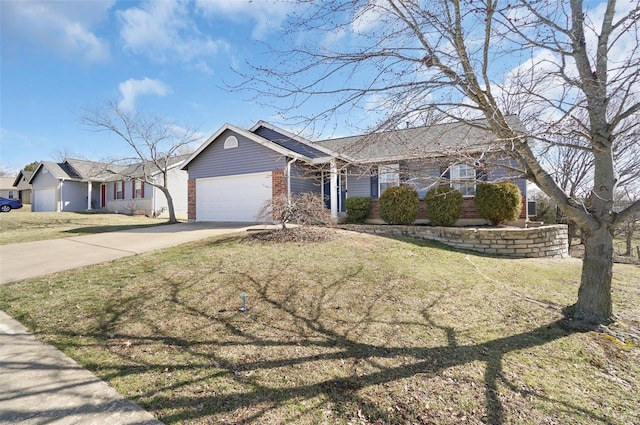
(7, 204)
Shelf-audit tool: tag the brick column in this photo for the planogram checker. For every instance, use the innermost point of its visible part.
(191, 199)
(278, 184)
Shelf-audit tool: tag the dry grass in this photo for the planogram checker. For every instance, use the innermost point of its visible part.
(18, 226)
(354, 329)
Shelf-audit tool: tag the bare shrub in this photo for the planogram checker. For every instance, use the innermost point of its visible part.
(303, 209)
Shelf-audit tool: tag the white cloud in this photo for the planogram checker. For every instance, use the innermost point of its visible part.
(268, 15)
(163, 30)
(367, 17)
(64, 27)
(131, 89)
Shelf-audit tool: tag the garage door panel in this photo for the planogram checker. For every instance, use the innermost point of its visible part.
(45, 200)
(232, 198)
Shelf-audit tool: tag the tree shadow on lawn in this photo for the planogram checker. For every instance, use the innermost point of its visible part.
(320, 343)
(91, 230)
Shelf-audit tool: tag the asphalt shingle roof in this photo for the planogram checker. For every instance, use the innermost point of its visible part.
(419, 142)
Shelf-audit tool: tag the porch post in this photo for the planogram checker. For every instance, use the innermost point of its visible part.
(333, 188)
(89, 188)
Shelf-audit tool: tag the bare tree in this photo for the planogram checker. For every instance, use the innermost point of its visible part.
(155, 143)
(569, 69)
(7, 172)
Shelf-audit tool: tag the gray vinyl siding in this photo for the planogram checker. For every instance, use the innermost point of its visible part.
(358, 182)
(248, 157)
(289, 143)
(501, 174)
(74, 196)
(304, 180)
(44, 179)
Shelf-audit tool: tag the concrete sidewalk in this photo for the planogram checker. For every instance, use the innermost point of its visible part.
(38, 383)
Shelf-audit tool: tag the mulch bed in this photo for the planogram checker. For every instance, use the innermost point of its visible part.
(302, 234)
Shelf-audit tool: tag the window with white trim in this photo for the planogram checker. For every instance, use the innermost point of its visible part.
(463, 178)
(118, 188)
(388, 176)
(138, 190)
(231, 142)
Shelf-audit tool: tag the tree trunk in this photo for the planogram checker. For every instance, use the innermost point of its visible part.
(629, 238)
(594, 304)
(172, 212)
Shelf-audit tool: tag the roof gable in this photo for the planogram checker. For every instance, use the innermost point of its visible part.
(290, 141)
(251, 136)
(22, 179)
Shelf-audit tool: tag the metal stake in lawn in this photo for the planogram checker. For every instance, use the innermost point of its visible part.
(244, 301)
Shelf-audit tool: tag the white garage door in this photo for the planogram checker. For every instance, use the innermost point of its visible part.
(232, 198)
(45, 200)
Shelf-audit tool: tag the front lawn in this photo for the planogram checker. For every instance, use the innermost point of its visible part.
(18, 226)
(357, 329)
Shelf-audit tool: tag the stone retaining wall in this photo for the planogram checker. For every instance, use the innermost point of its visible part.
(540, 242)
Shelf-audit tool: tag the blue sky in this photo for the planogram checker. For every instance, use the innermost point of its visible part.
(167, 58)
(171, 58)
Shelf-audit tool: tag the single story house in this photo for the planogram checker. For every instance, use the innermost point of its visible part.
(6, 188)
(21, 183)
(79, 185)
(236, 171)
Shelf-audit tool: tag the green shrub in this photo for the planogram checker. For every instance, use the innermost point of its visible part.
(444, 206)
(358, 208)
(399, 205)
(498, 202)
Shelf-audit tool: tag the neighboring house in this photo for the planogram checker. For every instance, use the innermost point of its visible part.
(78, 185)
(6, 188)
(124, 196)
(235, 172)
(21, 183)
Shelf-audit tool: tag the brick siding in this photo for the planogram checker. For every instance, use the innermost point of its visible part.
(191, 200)
(278, 184)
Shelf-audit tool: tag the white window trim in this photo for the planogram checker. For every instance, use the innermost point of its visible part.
(231, 142)
(137, 190)
(119, 188)
(460, 183)
(389, 175)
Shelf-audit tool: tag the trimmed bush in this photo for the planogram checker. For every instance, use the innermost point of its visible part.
(399, 205)
(498, 202)
(358, 208)
(444, 206)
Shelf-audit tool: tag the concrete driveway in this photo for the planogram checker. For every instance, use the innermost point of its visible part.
(32, 259)
(38, 383)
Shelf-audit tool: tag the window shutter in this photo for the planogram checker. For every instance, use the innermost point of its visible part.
(142, 189)
(482, 174)
(115, 190)
(445, 172)
(374, 182)
(403, 173)
(133, 189)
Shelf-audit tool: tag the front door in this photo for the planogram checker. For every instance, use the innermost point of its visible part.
(103, 195)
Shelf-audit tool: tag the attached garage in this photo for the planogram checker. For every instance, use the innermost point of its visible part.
(44, 199)
(232, 198)
(236, 172)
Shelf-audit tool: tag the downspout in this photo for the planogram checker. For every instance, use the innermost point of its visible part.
(89, 190)
(60, 201)
(289, 178)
